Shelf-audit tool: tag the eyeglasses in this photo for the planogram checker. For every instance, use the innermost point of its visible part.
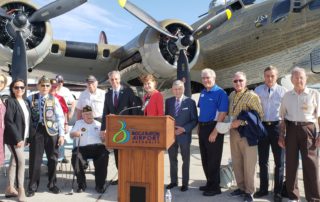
(239, 80)
(45, 85)
(19, 87)
(2, 82)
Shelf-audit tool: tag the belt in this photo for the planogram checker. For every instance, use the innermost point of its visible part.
(207, 123)
(299, 123)
(270, 123)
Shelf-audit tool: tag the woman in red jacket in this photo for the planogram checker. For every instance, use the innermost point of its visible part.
(153, 100)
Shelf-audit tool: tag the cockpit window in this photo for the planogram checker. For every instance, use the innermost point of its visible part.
(233, 7)
(314, 5)
(280, 10)
(248, 2)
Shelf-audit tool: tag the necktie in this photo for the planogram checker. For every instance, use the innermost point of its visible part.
(43, 100)
(269, 90)
(177, 107)
(115, 99)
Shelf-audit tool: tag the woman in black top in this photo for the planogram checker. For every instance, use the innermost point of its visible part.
(17, 129)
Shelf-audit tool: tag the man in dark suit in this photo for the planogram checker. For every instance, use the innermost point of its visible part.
(117, 99)
(184, 110)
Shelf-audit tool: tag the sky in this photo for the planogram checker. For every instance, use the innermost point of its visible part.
(84, 23)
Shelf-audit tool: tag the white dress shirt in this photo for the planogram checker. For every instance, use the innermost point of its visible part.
(90, 132)
(94, 100)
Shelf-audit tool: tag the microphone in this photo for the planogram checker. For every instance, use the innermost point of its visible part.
(145, 104)
(126, 109)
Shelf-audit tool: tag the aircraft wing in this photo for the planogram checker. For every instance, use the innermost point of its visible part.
(76, 60)
(151, 52)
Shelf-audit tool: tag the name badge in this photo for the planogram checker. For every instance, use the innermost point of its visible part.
(49, 103)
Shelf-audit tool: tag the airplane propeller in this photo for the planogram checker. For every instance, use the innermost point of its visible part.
(4, 14)
(18, 26)
(182, 41)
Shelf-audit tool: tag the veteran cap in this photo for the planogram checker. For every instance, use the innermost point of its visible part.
(91, 78)
(44, 79)
(87, 108)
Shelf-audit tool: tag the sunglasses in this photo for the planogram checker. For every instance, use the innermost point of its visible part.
(45, 85)
(239, 80)
(19, 87)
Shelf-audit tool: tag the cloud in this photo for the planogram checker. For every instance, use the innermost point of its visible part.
(84, 23)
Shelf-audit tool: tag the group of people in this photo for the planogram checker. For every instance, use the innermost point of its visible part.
(269, 116)
(40, 122)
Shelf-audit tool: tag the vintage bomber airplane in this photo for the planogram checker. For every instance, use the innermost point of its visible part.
(279, 32)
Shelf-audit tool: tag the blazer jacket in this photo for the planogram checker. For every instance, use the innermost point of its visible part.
(253, 130)
(187, 117)
(126, 99)
(155, 106)
(15, 122)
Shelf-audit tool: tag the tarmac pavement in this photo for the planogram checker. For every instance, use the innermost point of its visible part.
(197, 179)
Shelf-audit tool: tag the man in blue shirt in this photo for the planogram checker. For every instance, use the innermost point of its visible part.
(213, 104)
(270, 94)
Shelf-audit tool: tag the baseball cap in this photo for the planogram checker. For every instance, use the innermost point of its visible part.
(59, 78)
(44, 79)
(87, 108)
(91, 78)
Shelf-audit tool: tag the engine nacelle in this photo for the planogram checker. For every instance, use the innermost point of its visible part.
(38, 36)
(158, 52)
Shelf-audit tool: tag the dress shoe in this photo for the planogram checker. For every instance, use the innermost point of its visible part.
(80, 190)
(203, 188)
(114, 182)
(277, 198)
(237, 192)
(30, 193)
(54, 190)
(100, 190)
(211, 192)
(171, 185)
(247, 198)
(10, 192)
(260, 194)
(184, 188)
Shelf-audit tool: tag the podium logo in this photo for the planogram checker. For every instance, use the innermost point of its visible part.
(123, 135)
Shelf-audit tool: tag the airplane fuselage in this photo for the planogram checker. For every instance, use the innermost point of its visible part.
(240, 45)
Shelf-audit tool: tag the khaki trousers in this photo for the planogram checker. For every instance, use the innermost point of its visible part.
(244, 159)
(17, 167)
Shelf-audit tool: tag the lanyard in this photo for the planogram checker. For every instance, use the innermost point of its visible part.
(235, 105)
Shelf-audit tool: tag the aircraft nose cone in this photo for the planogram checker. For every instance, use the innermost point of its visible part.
(187, 40)
(20, 20)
